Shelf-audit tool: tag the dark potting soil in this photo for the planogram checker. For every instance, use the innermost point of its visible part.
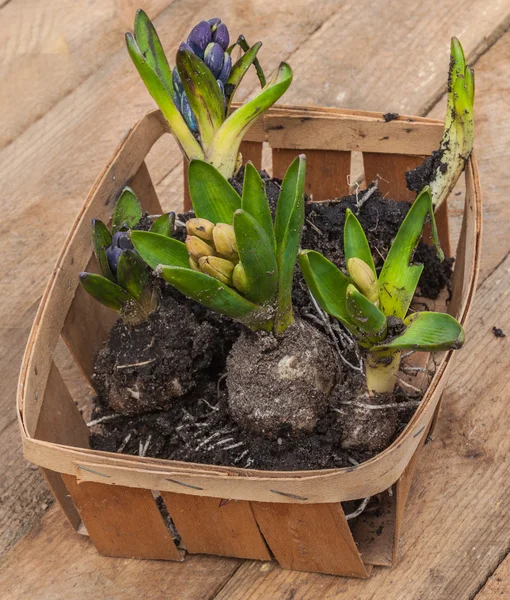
(173, 368)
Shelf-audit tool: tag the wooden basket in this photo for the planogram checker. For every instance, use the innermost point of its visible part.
(295, 517)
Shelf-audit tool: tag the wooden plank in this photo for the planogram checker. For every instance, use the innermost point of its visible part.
(144, 189)
(213, 526)
(389, 172)
(56, 47)
(123, 522)
(62, 496)
(327, 171)
(310, 538)
(54, 563)
(252, 151)
(497, 586)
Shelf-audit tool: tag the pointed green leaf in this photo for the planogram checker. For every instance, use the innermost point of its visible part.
(212, 196)
(364, 313)
(223, 151)
(254, 201)
(427, 332)
(105, 291)
(398, 279)
(164, 225)
(102, 238)
(156, 249)
(327, 283)
(132, 273)
(157, 89)
(203, 92)
(128, 211)
(215, 295)
(239, 70)
(355, 241)
(257, 256)
(149, 44)
(290, 216)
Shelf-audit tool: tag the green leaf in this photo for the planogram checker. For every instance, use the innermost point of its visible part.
(290, 216)
(254, 201)
(149, 44)
(215, 295)
(398, 279)
(212, 196)
(239, 70)
(427, 332)
(156, 249)
(157, 89)
(164, 224)
(105, 291)
(327, 283)
(223, 151)
(128, 211)
(365, 315)
(132, 273)
(203, 92)
(355, 241)
(257, 256)
(102, 238)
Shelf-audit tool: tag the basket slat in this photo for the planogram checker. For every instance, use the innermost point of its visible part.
(327, 171)
(213, 526)
(310, 538)
(389, 170)
(122, 521)
(252, 151)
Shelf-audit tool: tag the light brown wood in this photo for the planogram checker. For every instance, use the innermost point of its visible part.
(389, 171)
(121, 521)
(56, 484)
(327, 171)
(63, 43)
(252, 151)
(213, 526)
(52, 562)
(498, 585)
(310, 538)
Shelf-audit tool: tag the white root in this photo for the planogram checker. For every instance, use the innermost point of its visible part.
(125, 441)
(359, 510)
(139, 364)
(357, 404)
(103, 420)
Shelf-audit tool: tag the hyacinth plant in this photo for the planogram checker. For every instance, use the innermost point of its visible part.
(235, 260)
(375, 309)
(457, 142)
(196, 96)
(124, 285)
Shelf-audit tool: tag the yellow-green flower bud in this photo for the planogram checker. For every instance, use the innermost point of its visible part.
(194, 265)
(217, 267)
(198, 248)
(225, 242)
(201, 228)
(239, 278)
(364, 279)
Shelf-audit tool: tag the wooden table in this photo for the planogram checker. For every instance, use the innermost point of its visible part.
(68, 95)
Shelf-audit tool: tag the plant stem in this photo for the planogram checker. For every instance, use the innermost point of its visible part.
(381, 370)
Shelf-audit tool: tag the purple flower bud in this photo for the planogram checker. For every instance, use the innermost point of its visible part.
(227, 67)
(188, 114)
(199, 37)
(185, 46)
(221, 36)
(213, 58)
(214, 22)
(123, 242)
(177, 83)
(112, 255)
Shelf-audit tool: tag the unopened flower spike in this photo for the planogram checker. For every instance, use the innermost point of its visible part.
(235, 260)
(124, 284)
(442, 170)
(195, 96)
(375, 308)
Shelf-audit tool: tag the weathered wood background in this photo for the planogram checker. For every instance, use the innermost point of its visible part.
(69, 93)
